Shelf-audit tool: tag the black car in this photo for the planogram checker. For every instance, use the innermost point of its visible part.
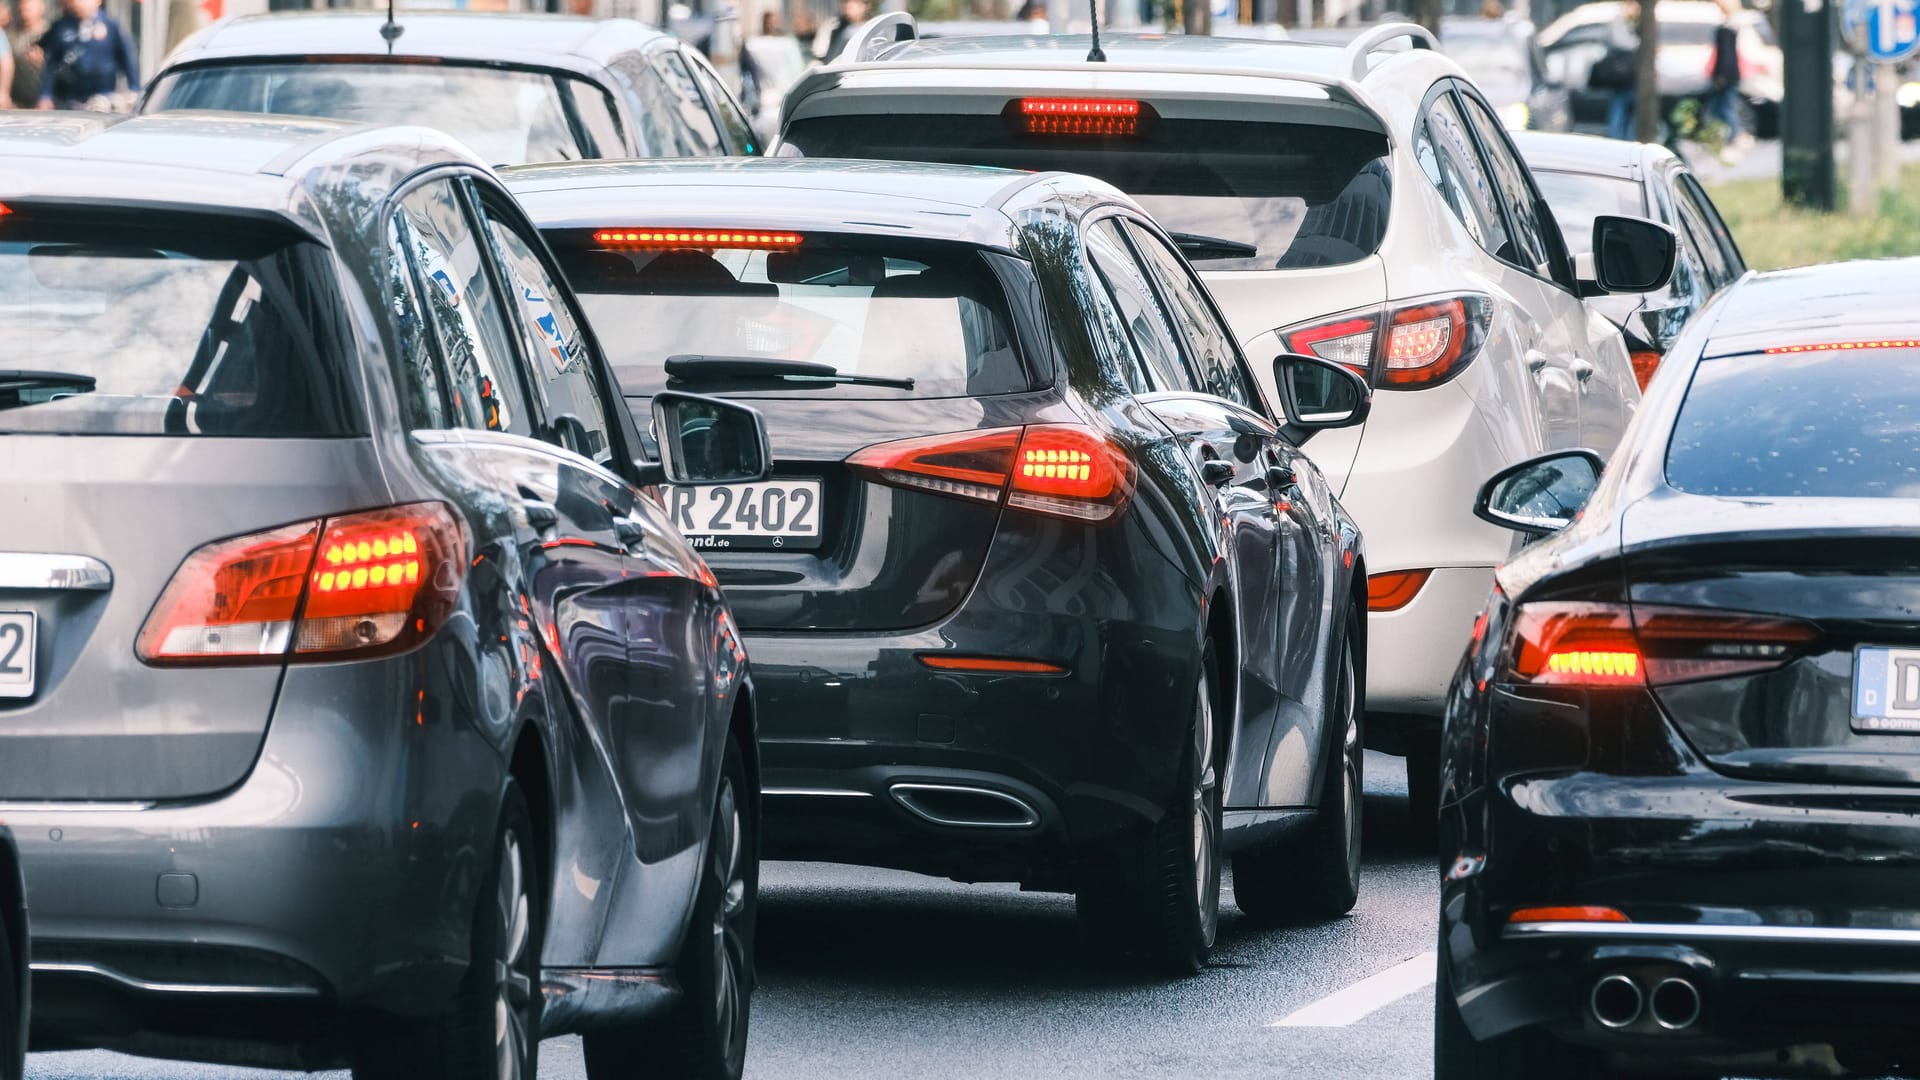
(1041, 590)
(514, 88)
(16, 988)
(356, 706)
(1682, 756)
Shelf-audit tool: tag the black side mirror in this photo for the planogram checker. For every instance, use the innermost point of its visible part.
(1541, 495)
(1317, 394)
(705, 440)
(1631, 255)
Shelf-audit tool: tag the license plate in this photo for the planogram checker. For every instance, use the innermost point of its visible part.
(772, 516)
(1886, 690)
(16, 653)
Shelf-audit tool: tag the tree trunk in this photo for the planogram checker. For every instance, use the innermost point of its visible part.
(1646, 120)
(1196, 16)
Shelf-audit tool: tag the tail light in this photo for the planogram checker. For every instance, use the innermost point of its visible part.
(1645, 363)
(1077, 116)
(1060, 469)
(1406, 347)
(1391, 592)
(359, 584)
(1610, 645)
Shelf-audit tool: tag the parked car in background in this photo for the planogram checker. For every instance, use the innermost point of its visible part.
(367, 712)
(1583, 177)
(1353, 203)
(1042, 589)
(514, 88)
(1573, 43)
(770, 64)
(16, 985)
(1680, 750)
(1500, 57)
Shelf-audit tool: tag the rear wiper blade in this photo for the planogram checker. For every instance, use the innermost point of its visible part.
(696, 367)
(1196, 246)
(15, 381)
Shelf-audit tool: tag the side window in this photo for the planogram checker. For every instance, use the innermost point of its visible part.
(739, 134)
(1529, 251)
(1698, 208)
(598, 119)
(423, 383)
(652, 106)
(556, 352)
(694, 118)
(1147, 325)
(468, 321)
(1210, 347)
(1446, 155)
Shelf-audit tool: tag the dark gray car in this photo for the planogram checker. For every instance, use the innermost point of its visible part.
(356, 704)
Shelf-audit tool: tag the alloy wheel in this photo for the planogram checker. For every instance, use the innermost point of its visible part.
(1205, 841)
(1350, 764)
(729, 941)
(513, 987)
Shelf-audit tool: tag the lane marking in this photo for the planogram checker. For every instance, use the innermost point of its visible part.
(1375, 992)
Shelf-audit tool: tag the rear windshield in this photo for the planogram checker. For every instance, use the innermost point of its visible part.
(196, 327)
(1578, 198)
(1237, 195)
(904, 320)
(506, 116)
(1836, 424)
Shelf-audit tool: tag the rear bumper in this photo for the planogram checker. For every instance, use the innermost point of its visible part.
(1412, 654)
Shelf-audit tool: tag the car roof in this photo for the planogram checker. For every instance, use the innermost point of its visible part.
(487, 37)
(1138, 52)
(1865, 300)
(942, 202)
(1591, 154)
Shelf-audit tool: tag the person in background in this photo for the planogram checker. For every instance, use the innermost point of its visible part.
(1723, 77)
(852, 14)
(6, 57)
(23, 48)
(1034, 14)
(87, 53)
(1618, 71)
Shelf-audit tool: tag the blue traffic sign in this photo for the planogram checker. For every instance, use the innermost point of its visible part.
(1891, 28)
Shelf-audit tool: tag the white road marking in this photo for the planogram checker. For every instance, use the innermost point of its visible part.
(1375, 992)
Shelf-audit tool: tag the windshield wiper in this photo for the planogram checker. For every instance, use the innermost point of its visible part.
(1196, 246)
(15, 383)
(697, 368)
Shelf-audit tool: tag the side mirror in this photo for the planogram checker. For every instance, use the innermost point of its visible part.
(705, 440)
(1631, 255)
(1318, 394)
(1542, 495)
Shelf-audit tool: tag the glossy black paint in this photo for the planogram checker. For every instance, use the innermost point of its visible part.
(591, 661)
(1263, 562)
(1760, 846)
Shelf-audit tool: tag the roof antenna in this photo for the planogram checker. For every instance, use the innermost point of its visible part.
(391, 30)
(1095, 55)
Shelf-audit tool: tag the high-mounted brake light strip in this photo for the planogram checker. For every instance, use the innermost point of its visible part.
(1846, 346)
(696, 238)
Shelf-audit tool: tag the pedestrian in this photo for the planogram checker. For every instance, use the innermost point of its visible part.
(1034, 14)
(6, 57)
(1723, 76)
(87, 53)
(1618, 71)
(852, 14)
(23, 47)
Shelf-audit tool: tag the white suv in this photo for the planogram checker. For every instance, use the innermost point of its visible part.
(1357, 203)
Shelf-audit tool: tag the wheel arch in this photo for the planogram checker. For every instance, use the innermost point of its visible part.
(1222, 631)
(529, 766)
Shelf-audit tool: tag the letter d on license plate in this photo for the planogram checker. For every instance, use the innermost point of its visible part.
(1886, 690)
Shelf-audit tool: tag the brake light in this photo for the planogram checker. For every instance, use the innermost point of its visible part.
(704, 239)
(1645, 363)
(1391, 592)
(5, 209)
(1607, 645)
(989, 665)
(1409, 347)
(1060, 469)
(1846, 346)
(1080, 116)
(367, 583)
(1572, 913)
(1424, 342)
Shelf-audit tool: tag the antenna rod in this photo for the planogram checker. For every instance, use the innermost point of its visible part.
(392, 30)
(1094, 55)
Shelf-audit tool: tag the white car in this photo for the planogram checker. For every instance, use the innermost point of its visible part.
(1357, 203)
(1573, 43)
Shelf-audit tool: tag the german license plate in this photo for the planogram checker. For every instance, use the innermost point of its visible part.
(770, 516)
(1886, 689)
(16, 653)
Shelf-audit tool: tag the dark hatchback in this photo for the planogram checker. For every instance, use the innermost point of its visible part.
(1040, 591)
(1681, 783)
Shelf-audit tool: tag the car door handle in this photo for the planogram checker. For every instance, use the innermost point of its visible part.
(1582, 368)
(1216, 471)
(540, 514)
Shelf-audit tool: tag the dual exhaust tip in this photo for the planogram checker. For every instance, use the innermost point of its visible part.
(1619, 1001)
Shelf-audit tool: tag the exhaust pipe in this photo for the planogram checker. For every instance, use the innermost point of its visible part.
(1675, 1004)
(964, 806)
(1616, 1002)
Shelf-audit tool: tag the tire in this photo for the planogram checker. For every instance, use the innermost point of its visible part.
(1156, 904)
(1317, 876)
(704, 1036)
(12, 1053)
(1527, 1054)
(492, 1029)
(1423, 789)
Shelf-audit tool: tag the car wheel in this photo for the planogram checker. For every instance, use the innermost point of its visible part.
(1526, 1054)
(1157, 904)
(1317, 876)
(492, 1030)
(704, 1037)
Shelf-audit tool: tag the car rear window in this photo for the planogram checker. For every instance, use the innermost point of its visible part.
(506, 116)
(195, 326)
(1578, 198)
(1834, 423)
(929, 318)
(1237, 195)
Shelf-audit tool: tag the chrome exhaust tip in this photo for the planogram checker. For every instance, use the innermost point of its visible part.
(1616, 1002)
(1675, 1004)
(964, 807)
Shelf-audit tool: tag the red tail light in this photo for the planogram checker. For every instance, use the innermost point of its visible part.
(1645, 363)
(1578, 913)
(1391, 592)
(699, 239)
(1608, 645)
(374, 582)
(1060, 469)
(1080, 116)
(1402, 348)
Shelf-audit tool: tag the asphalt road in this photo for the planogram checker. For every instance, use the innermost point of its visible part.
(869, 973)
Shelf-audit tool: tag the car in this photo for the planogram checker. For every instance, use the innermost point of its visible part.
(513, 87)
(1501, 58)
(770, 65)
(1353, 203)
(1573, 43)
(1042, 590)
(1679, 745)
(1584, 176)
(360, 708)
(16, 986)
